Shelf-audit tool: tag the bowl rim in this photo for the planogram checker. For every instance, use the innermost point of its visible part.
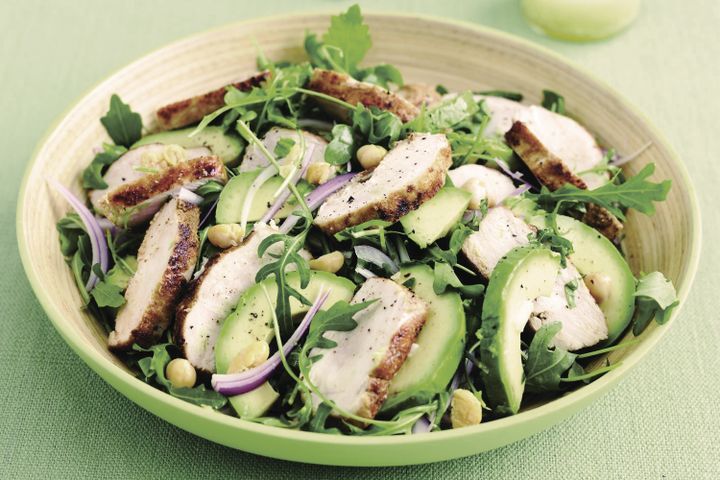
(115, 375)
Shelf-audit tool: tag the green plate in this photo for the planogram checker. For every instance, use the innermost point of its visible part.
(458, 55)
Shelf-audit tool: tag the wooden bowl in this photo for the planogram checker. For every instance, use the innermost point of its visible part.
(457, 55)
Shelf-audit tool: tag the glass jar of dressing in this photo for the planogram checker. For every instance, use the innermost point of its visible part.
(580, 20)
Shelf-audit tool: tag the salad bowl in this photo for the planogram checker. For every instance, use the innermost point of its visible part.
(457, 55)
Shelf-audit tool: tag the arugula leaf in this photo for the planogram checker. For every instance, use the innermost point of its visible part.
(70, 228)
(570, 288)
(337, 318)
(122, 124)
(655, 296)
(379, 127)
(289, 255)
(109, 290)
(553, 102)
(317, 423)
(444, 276)
(92, 175)
(382, 75)
(446, 115)
(341, 148)
(344, 45)
(545, 366)
(107, 294)
(283, 147)
(153, 369)
(555, 242)
(367, 230)
(636, 192)
(515, 96)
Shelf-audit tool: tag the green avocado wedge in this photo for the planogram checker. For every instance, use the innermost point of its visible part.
(252, 321)
(441, 343)
(521, 276)
(436, 217)
(227, 147)
(232, 197)
(595, 254)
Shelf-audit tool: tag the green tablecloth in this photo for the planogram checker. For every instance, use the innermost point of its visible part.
(59, 420)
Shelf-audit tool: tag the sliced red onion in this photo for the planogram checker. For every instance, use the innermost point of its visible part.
(282, 198)
(520, 190)
(375, 256)
(100, 251)
(619, 161)
(187, 196)
(423, 425)
(315, 198)
(209, 213)
(514, 175)
(237, 383)
(314, 124)
(107, 225)
(265, 175)
(365, 272)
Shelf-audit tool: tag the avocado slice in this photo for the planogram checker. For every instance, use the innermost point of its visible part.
(437, 216)
(594, 253)
(227, 147)
(441, 343)
(232, 197)
(524, 274)
(252, 321)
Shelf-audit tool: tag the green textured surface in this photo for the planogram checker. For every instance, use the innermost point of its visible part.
(59, 420)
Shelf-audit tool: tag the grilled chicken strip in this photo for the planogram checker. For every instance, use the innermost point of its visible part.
(140, 181)
(503, 113)
(192, 110)
(483, 181)
(348, 89)
(410, 174)
(166, 259)
(583, 325)
(356, 373)
(499, 232)
(314, 146)
(214, 294)
(558, 151)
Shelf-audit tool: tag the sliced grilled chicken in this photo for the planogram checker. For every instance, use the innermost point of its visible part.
(419, 94)
(482, 182)
(583, 325)
(503, 113)
(166, 259)
(499, 232)
(348, 89)
(214, 294)
(140, 181)
(355, 374)
(410, 174)
(192, 110)
(314, 146)
(558, 150)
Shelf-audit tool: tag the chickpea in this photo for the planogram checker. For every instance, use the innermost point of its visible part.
(250, 357)
(477, 191)
(181, 373)
(226, 235)
(466, 409)
(319, 173)
(370, 156)
(598, 284)
(330, 262)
